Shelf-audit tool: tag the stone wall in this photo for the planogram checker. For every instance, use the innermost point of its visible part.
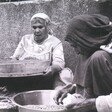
(15, 21)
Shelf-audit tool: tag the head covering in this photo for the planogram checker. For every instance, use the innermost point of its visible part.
(89, 31)
(42, 16)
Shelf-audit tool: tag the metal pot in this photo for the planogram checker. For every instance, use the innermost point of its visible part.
(43, 99)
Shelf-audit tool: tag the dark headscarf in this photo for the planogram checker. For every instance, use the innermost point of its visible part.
(89, 31)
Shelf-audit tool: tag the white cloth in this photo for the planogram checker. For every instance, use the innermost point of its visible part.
(73, 99)
(66, 75)
(43, 16)
(107, 48)
(104, 103)
(50, 49)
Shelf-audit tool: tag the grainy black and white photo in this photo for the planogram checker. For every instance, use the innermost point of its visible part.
(55, 55)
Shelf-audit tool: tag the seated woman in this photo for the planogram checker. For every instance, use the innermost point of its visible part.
(42, 45)
(93, 74)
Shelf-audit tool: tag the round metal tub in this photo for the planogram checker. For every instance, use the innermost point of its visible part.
(37, 101)
(22, 68)
(22, 75)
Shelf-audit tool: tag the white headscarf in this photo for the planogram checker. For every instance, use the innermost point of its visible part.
(43, 16)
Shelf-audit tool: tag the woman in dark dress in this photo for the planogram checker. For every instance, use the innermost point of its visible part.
(86, 33)
(93, 74)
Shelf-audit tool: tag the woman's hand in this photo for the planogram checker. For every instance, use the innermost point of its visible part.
(77, 102)
(48, 71)
(13, 58)
(61, 94)
(73, 99)
(52, 70)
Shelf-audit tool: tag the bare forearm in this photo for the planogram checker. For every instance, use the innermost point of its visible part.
(87, 105)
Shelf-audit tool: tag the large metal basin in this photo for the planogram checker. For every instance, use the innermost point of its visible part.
(43, 98)
(22, 68)
(22, 75)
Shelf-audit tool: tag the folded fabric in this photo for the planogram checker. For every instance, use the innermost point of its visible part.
(73, 99)
(104, 103)
(66, 76)
(107, 48)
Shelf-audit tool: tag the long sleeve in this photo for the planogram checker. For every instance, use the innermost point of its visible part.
(19, 50)
(104, 103)
(58, 56)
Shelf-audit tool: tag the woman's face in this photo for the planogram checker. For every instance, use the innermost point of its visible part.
(40, 29)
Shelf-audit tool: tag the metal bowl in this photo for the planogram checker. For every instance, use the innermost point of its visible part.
(37, 101)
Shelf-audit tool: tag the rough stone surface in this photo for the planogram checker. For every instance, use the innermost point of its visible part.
(15, 21)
